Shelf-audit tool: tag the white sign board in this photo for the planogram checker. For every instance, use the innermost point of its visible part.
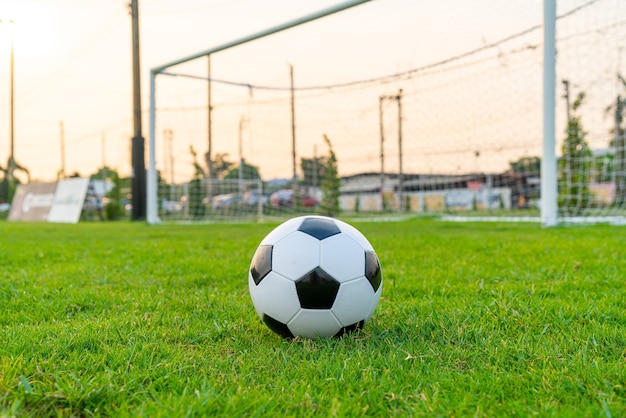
(68, 200)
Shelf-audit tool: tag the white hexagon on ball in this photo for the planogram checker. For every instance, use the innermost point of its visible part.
(352, 303)
(313, 323)
(295, 255)
(355, 234)
(374, 303)
(342, 257)
(281, 231)
(282, 308)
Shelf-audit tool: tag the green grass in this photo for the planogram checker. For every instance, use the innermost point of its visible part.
(476, 320)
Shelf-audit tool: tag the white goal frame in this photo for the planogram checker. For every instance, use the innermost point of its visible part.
(549, 206)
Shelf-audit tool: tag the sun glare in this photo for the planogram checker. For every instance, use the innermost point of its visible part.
(31, 29)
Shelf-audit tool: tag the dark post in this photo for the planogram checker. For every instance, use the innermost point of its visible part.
(138, 184)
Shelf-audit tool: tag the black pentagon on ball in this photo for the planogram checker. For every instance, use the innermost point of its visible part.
(319, 228)
(317, 289)
(277, 326)
(372, 269)
(261, 263)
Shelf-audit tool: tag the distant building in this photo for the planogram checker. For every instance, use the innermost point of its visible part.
(436, 192)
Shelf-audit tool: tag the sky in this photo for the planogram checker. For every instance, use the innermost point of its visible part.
(73, 66)
(72, 74)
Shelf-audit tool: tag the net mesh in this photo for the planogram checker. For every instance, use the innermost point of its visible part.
(437, 110)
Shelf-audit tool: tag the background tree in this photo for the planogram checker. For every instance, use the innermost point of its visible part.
(114, 208)
(220, 165)
(249, 172)
(313, 170)
(103, 173)
(574, 167)
(4, 187)
(526, 165)
(604, 168)
(330, 184)
(523, 169)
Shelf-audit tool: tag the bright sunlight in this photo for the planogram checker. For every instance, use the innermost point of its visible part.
(35, 31)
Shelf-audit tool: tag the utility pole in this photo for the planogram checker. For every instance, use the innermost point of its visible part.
(568, 167)
(566, 96)
(63, 173)
(168, 139)
(294, 179)
(11, 164)
(315, 167)
(105, 172)
(619, 171)
(242, 121)
(293, 126)
(397, 98)
(209, 153)
(381, 99)
(138, 184)
(400, 172)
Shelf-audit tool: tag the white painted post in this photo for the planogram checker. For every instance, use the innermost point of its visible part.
(549, 207)
(152, 204)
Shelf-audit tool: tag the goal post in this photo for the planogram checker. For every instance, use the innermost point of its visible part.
(549, 208)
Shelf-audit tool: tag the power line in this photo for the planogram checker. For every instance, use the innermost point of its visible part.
(391, 76)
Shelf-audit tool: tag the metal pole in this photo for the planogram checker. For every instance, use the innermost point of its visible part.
(549, 190)
(168, 140)
(152, 215)
(617, 176)
(240, 171)
(400, 172)
(63, 173)
(293, 125)
(315, 167)
(566, 96)
(138, 184)
(11, 165)
(105, 172)
(209, 119)
(382, 153)
(209, 154)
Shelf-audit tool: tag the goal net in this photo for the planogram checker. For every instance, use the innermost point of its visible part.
(394, 107)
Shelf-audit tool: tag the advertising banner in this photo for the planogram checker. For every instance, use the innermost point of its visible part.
(32, 202)
(49, 202)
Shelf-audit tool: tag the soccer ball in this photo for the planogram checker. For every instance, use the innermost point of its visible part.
(315, 276)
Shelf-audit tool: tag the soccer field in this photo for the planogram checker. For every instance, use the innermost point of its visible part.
(476, 319)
